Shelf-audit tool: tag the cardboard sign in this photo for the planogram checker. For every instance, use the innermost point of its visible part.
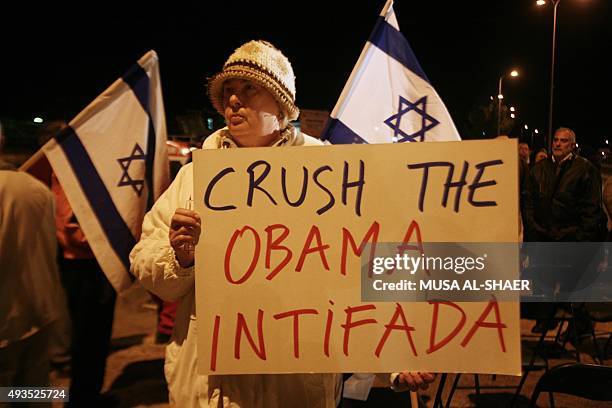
(278, 263)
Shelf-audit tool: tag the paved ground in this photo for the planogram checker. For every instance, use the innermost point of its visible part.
(134, 369)
(134, 375)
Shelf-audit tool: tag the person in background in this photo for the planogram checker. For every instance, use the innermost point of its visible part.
(166, 313)
(607, 199)
(30, 289)
(4, 165)
(541, 155)
(524, 152)
(562, 202)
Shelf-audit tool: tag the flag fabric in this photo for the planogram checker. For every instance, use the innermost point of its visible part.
(388, 98)
(112, 163)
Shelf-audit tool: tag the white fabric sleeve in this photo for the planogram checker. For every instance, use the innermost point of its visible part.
(392, 381)
(358, 386)
(153, 260)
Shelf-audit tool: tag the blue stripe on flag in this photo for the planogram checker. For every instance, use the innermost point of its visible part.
(394, 44)
(341, 134)
(139, 82)
(119, 235)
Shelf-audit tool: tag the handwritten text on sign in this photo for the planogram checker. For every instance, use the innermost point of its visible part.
(278, 268)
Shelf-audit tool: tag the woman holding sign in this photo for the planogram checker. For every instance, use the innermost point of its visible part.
(255, 92)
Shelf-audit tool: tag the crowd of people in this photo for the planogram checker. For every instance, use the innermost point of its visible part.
(561, 201)
(57, 304)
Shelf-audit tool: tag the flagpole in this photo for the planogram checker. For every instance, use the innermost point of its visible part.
(386, 7)
(414, 399)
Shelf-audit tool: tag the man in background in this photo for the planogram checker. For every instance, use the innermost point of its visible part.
(562, 202)
(30, 290)
(524, 152)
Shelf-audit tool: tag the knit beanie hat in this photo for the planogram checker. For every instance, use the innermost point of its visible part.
(260, 62)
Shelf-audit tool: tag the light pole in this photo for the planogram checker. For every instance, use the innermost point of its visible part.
(500, 96)
(526, 127)
(552, 71)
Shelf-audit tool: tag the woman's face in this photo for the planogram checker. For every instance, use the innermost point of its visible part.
(251, 113)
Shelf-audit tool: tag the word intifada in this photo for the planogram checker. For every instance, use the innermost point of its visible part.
(258, 172)
(354, 318)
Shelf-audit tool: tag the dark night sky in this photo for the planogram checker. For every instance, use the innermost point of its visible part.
(56, 59)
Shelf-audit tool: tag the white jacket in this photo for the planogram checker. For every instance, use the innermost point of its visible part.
(153, 263)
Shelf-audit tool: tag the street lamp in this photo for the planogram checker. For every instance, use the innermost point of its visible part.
(552, 70)
(526, 127)
(500, 96)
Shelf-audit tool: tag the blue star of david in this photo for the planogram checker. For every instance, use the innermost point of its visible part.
(125, 162)
(406, 106)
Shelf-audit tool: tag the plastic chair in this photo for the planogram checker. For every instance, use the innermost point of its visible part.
(589, 381)
(546, 312)
(600, 313)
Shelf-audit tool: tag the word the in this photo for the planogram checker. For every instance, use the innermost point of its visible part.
(458, 184)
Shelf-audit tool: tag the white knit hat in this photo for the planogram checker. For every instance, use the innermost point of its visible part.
(261, 62)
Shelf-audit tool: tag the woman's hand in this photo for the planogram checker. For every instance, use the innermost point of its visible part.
(416, 381)
(184, 234)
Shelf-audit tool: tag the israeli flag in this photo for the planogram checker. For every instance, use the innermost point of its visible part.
(112, 163)
(388, 98)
